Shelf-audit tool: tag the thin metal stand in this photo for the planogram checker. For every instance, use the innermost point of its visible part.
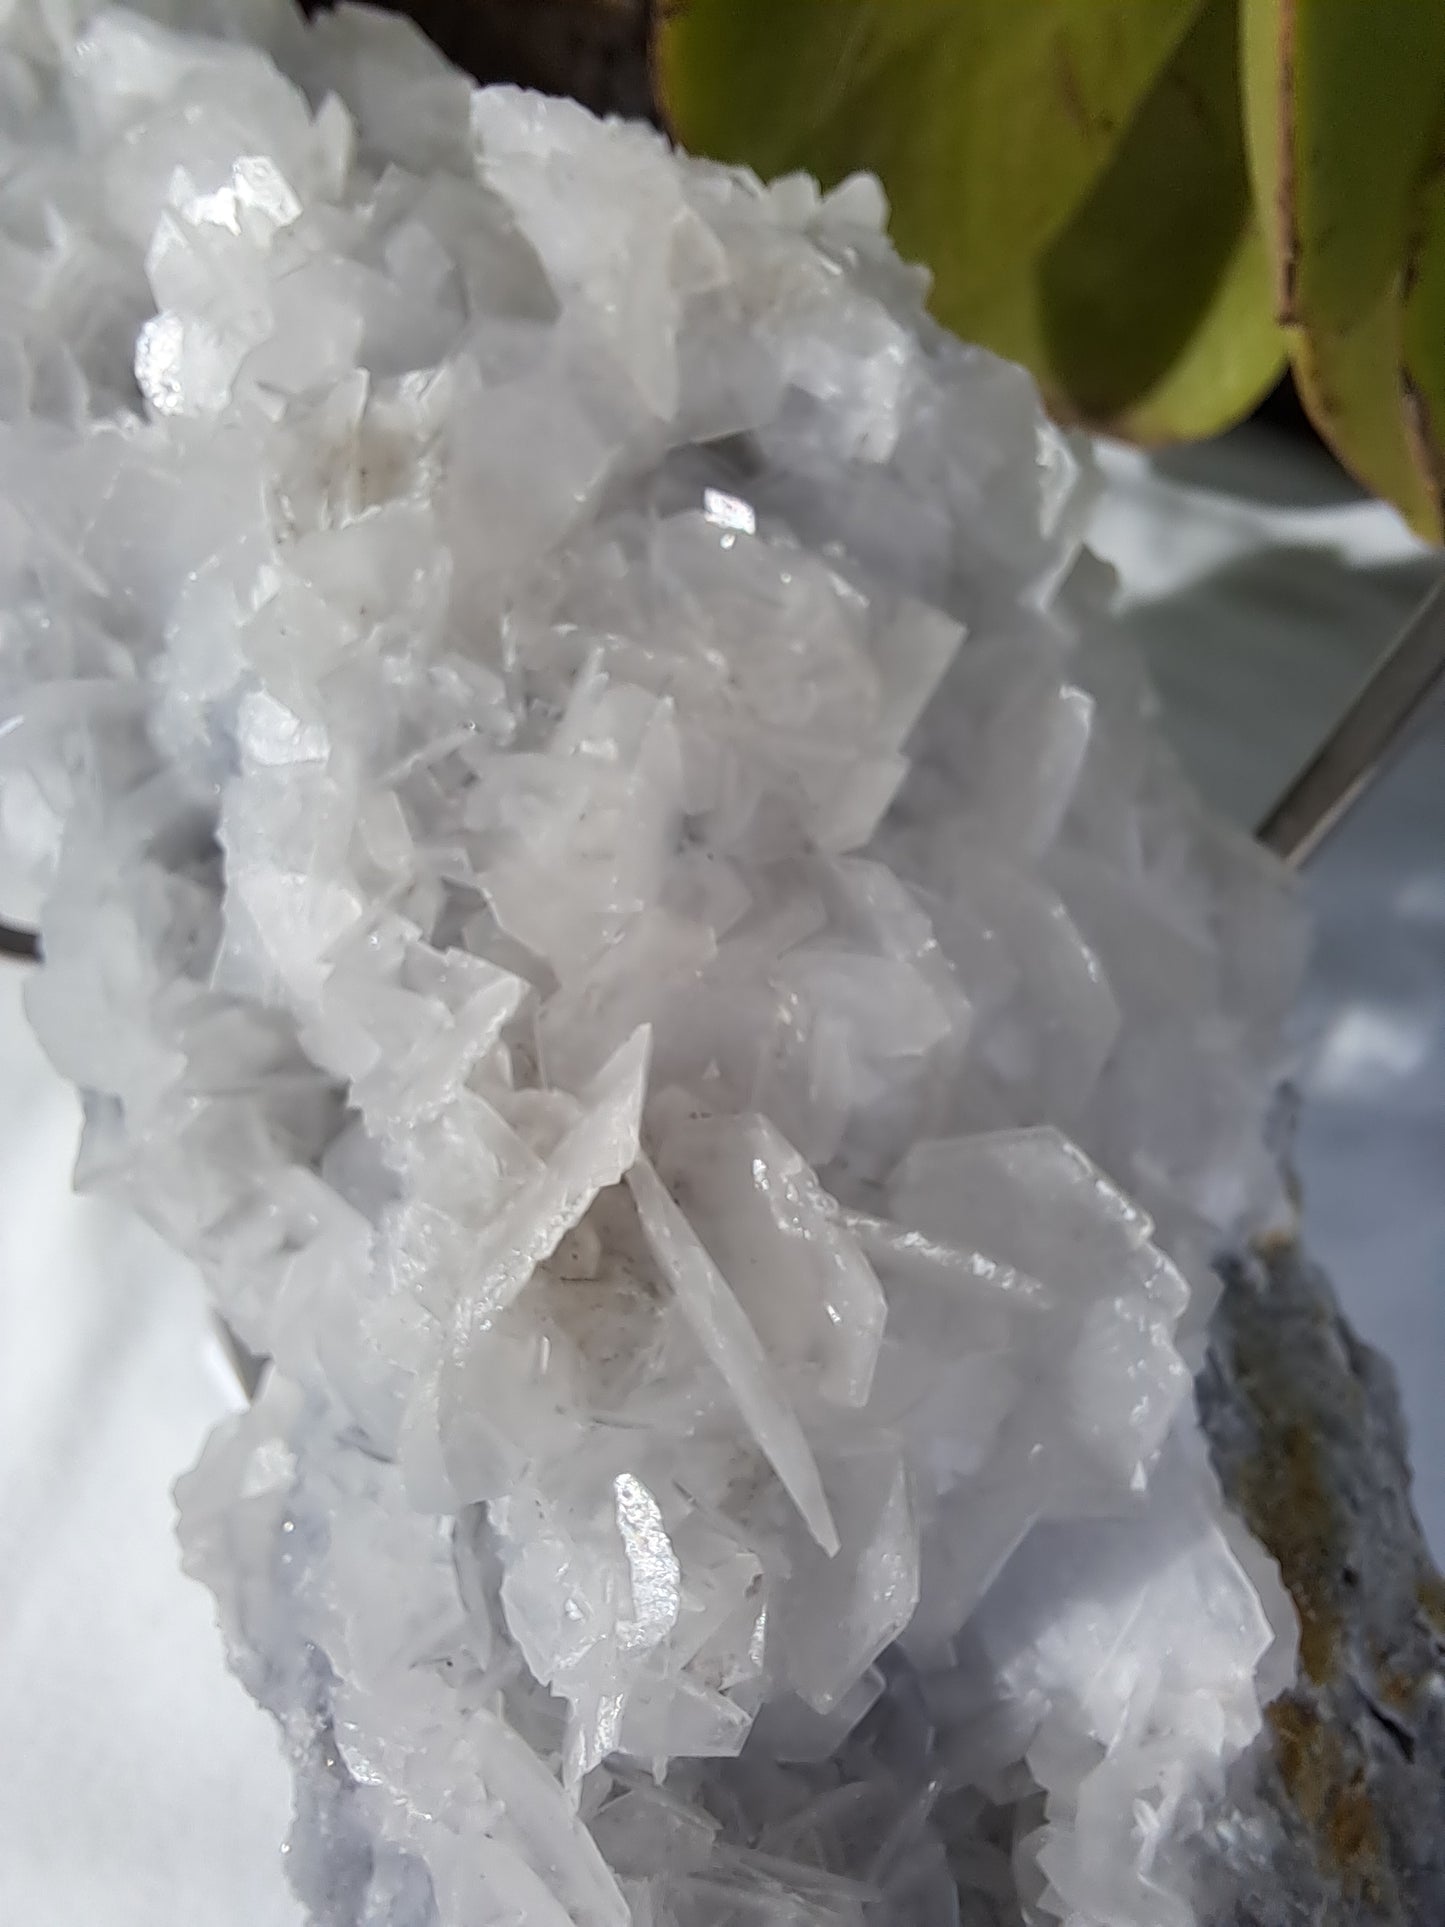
(1366, 740)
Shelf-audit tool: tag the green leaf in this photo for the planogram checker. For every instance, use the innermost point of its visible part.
(1072, 171)
(1150, 313)
(1234, 356)
(1344, 103)
(988, 121)
(1351, 383)
(1423, 334)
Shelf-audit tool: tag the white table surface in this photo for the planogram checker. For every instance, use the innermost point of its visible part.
(138, 1787)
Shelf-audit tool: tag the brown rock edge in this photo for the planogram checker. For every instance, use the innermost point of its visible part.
(1336, 1818)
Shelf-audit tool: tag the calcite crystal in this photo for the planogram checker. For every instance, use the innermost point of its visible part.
(603, 875)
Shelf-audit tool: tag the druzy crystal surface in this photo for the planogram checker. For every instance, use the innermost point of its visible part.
(602, 873)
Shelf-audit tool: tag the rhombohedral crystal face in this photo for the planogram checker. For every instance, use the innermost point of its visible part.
(602, 873)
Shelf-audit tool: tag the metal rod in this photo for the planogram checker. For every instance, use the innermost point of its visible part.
(1365, 739)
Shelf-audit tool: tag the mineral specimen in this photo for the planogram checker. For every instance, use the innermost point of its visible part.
(603, 874)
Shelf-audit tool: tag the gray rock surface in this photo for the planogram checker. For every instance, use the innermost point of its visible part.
(1337, 1815)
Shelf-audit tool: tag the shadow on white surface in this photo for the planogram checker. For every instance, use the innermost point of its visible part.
(139, 1787)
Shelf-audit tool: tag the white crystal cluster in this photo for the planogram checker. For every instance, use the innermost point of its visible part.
(603, 876)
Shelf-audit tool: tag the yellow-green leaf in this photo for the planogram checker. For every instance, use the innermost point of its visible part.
(1150, 313)
(1351, 383)
(1234, 356)
(988, 121)
(1344, 102)
(1423, 333)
